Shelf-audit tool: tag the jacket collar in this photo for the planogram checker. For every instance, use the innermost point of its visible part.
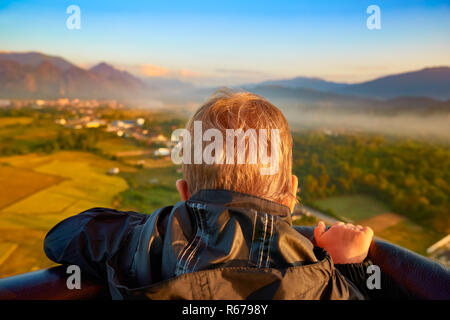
(235, 199)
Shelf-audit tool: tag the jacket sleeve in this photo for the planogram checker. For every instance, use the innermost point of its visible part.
(357, 274)
(95, 239)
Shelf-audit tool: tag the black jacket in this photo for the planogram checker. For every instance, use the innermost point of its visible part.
(217, 245)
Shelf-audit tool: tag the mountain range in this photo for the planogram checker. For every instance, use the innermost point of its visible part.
(429, 82)
(37, 75)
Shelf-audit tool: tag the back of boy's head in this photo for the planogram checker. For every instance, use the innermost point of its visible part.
(228, 109)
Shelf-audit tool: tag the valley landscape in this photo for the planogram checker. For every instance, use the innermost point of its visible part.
(375, 153)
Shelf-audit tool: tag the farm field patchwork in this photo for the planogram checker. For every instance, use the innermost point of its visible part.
(18, 183)
(50, 187)
(78, 181)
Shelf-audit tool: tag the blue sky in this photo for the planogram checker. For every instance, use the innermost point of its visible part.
(231, 42)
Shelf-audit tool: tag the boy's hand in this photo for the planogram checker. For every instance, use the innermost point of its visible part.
(346, 243)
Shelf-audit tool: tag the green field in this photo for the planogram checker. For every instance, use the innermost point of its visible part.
(21, 135)
(366, 210)
(353, 207)
(410, 235)
(10, 121)
(117, 145)
(150, 188)
(305, 221)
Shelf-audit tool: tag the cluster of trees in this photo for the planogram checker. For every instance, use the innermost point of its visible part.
(411, 176)
(84, 140)
(164, 125)
(42, 134)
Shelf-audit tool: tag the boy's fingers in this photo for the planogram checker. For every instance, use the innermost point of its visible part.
(368, 231)
(319, 230)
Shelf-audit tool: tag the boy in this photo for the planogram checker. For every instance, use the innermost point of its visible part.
(231, 235)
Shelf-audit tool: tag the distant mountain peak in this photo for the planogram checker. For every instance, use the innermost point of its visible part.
(108, 70)
(103, 66)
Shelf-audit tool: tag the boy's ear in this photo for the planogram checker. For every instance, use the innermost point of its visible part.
(183, 189)
(294, 192)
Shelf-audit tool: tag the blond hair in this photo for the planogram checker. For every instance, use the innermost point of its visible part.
(227, 109)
